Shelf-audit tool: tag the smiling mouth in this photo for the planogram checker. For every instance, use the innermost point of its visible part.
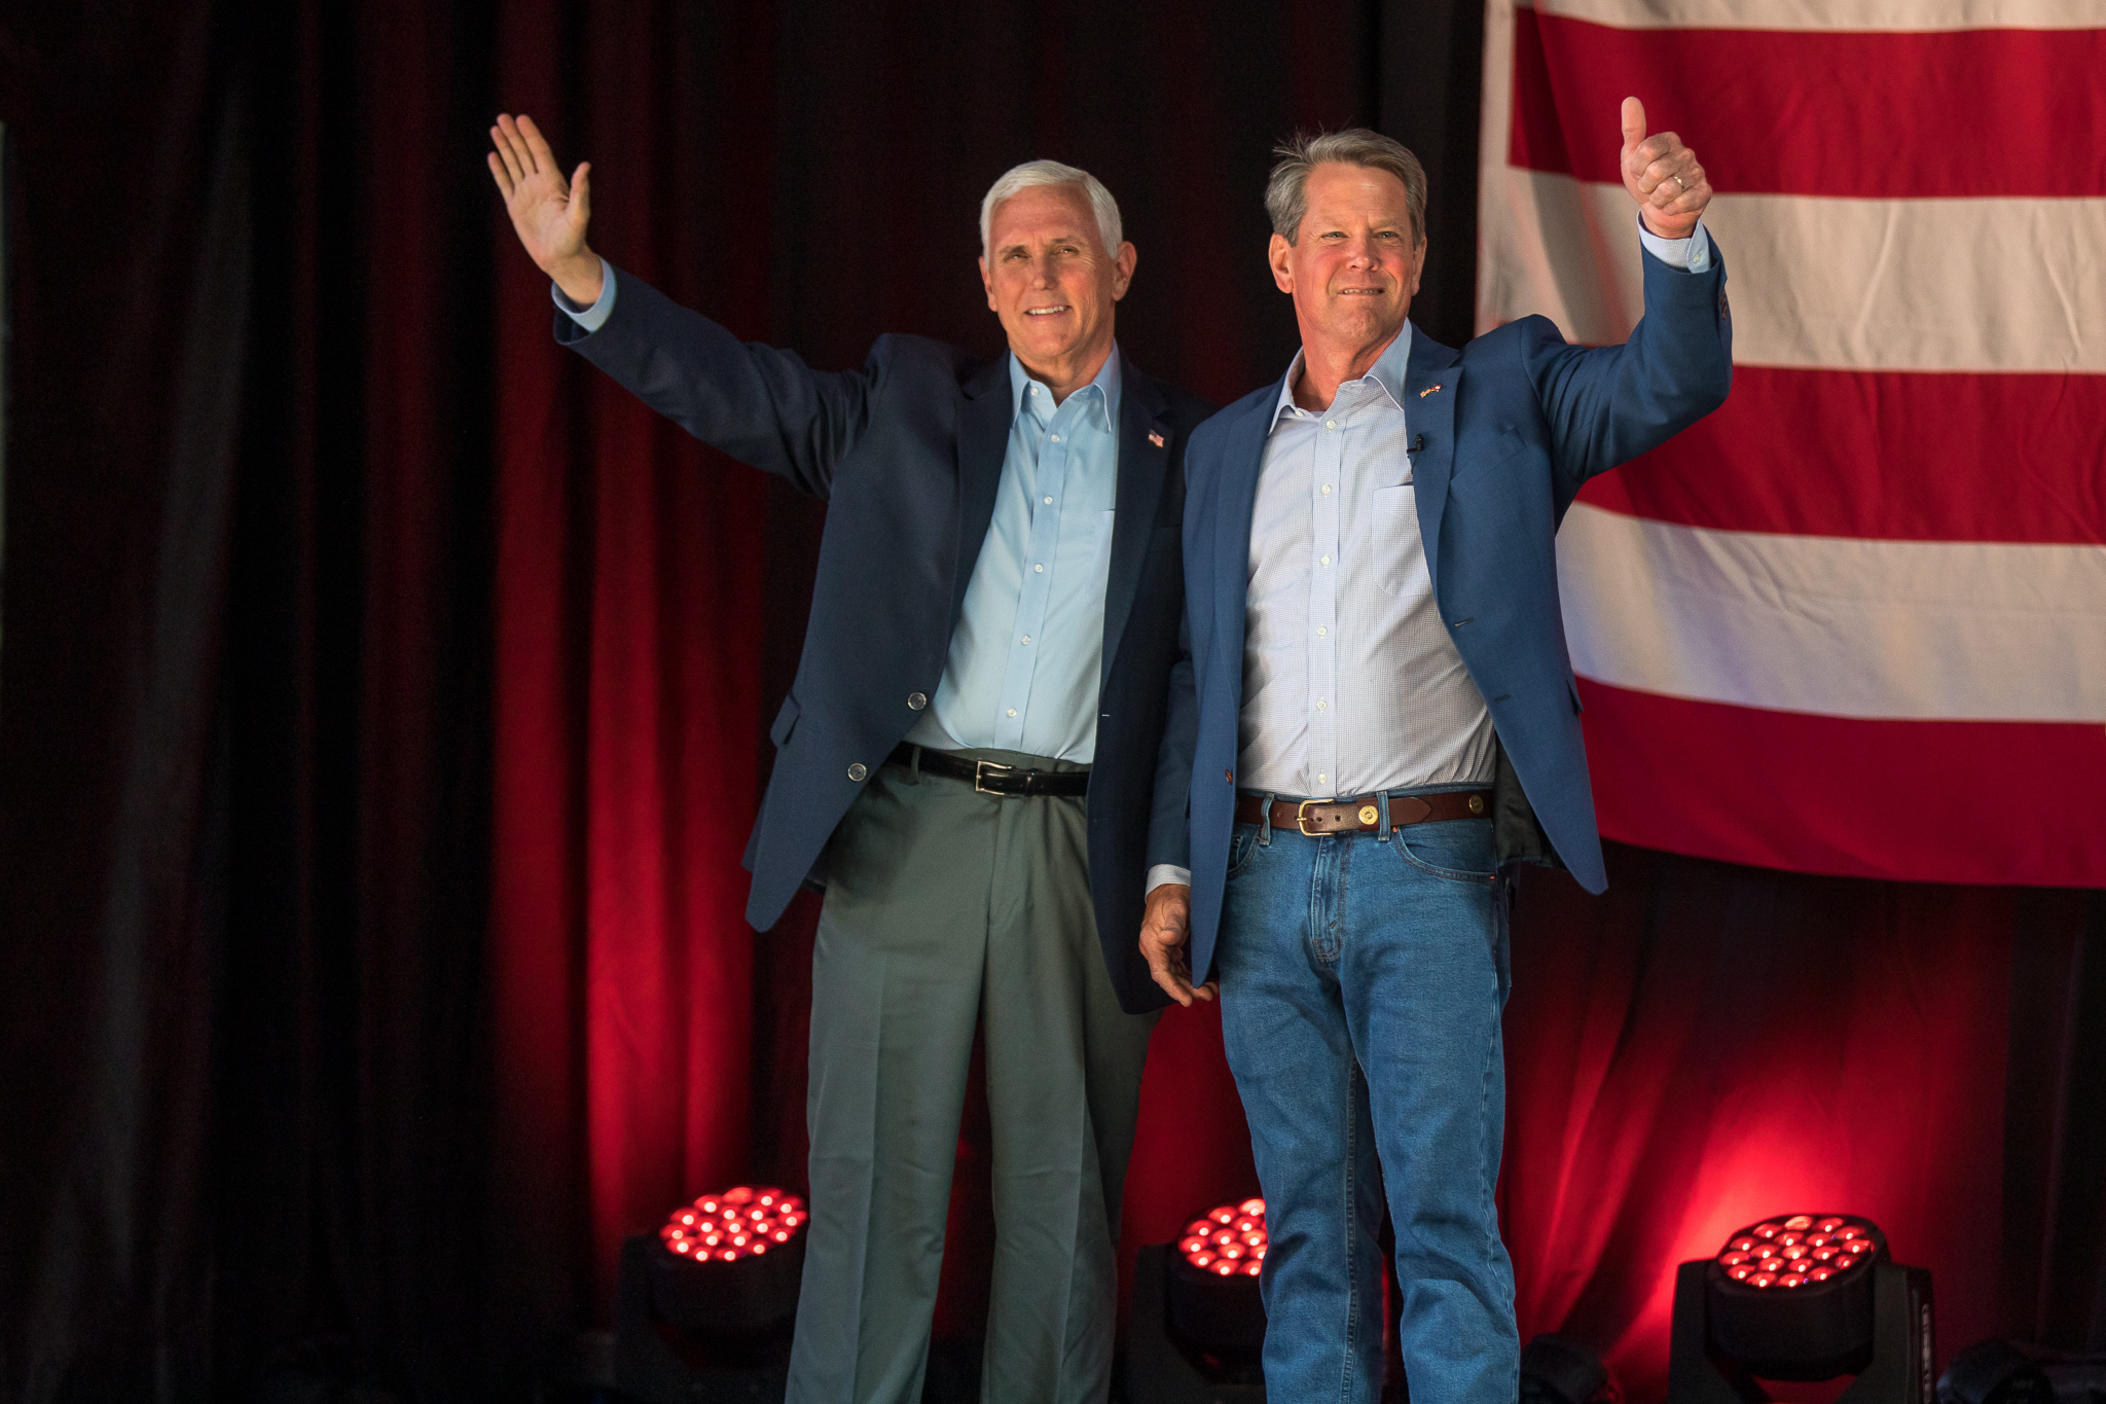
(1360, 292)
(1046, 311)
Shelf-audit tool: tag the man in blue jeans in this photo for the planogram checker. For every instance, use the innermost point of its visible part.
(1386, 721)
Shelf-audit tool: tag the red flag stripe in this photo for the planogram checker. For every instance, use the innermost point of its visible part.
(1898, 115)
(1884, 455)
(1926, 801)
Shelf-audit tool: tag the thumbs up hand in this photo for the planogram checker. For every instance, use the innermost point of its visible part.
(1662, 175)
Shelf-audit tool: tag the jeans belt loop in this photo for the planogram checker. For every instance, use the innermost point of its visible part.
(1382, 803)
(914, 770)
(1265, 823)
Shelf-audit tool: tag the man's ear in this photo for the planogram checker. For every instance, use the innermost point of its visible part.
(1276, 258)
(988, 283)
(1122, 269)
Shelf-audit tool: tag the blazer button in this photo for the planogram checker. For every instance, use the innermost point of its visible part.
(917, 700)
(858, 771)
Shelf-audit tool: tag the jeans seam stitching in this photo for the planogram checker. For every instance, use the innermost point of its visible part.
(1352, 1244)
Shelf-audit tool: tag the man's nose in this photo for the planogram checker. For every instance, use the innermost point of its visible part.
(1361, 251)
(1041, 272)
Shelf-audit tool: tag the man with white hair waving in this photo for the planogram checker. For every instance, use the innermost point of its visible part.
(967, 760)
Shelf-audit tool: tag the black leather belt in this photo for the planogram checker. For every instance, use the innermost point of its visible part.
(992, 777)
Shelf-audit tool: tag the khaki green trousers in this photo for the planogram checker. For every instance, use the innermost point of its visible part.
(948, 910)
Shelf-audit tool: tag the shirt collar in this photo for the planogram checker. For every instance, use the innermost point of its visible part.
(1106, 383)
(1388, 373)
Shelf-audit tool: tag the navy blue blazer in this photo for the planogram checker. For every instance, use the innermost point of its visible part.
(907, 452)
(1512, 425)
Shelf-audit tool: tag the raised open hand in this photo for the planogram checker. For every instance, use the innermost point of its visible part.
(548, 212)
(1662, 175)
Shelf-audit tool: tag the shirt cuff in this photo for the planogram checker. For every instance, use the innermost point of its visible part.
(1168, 872)
(1691, 255)
(591, 318)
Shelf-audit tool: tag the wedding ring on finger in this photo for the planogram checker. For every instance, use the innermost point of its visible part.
(1678, 180)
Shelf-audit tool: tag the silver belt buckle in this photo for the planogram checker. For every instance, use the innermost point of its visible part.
(982, 769)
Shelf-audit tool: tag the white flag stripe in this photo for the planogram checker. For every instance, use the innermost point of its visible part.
(1901, 285)
(1922, 15)
(1966, 631)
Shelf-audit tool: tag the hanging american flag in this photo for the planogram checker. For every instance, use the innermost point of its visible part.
(1855, 622)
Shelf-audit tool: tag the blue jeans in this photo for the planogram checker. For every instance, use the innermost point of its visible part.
(1362, 980)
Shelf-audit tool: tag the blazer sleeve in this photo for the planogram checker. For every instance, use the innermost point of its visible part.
(1169, 823)
(761, 405)
(1606, 405)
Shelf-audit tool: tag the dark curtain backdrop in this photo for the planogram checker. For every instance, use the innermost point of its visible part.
(382, 702)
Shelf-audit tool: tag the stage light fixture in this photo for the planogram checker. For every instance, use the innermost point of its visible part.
(703, 1308)
(1555, 1370)
(1801, 1297)
(1196, 1326)
(1212, 1297)
(732, 1261)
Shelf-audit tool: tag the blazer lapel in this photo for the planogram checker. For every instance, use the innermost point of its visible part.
(1144, 457)
(1236, 498)
(1431, 380)
(983, 442)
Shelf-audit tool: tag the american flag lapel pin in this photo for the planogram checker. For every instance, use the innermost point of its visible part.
(1429, 390)
(1155, 436)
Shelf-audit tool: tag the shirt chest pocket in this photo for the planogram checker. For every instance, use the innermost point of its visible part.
(1084, 552)
(1400, 557)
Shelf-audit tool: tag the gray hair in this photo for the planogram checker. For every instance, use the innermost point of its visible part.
(1287, 188)
(1031, 173)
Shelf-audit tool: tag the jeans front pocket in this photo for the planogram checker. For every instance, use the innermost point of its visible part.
(1460, 850)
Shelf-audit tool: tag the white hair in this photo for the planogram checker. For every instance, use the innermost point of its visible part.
(1031, 173)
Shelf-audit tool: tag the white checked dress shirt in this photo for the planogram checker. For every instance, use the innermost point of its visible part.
(1350, 681)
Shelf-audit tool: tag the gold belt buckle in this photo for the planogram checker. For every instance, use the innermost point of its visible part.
(982, 769)
(1301, 818)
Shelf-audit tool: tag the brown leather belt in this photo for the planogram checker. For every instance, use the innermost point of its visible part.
(992, 777)
(1363, 815)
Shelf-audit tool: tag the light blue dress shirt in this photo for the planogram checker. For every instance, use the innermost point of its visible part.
(1029, 643)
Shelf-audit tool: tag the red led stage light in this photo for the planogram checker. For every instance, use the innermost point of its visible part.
(742, 1222)
(1801, 1297)
(1211, 1299)
(703, 1308)
(730, 1263)
(1800, 1250)
(1196, 1323)
(1227, 1241)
